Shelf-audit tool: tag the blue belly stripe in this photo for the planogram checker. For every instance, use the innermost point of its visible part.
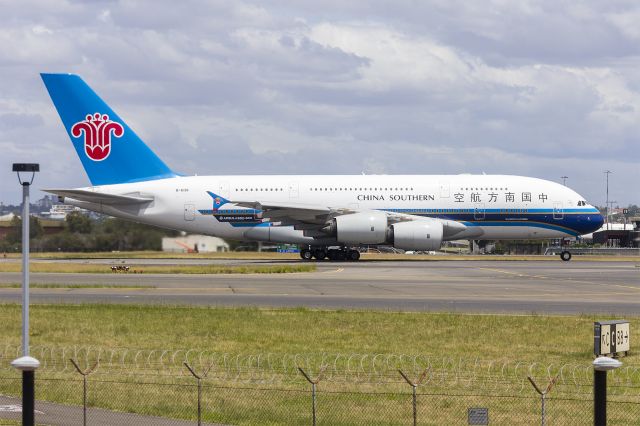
(572, 222)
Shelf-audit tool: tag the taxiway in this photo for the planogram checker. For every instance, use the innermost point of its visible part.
(456, 286)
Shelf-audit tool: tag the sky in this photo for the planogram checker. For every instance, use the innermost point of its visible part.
(533, 88)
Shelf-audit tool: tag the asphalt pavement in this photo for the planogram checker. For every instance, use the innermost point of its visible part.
(459, 286)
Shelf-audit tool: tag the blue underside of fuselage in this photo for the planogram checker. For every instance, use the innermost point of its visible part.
(569, 221)
(572, 224)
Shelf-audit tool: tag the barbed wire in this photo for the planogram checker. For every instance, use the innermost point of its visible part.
(355, 368)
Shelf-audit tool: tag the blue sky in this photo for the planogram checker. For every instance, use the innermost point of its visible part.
(541, 89)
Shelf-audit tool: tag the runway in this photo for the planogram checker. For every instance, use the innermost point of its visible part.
(456, 286)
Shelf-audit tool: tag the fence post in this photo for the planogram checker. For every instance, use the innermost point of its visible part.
(199, 379)
(84, 374)
(414, 384)
(543, 395)
(313, 389)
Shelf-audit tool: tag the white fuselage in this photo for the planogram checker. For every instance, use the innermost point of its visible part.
(499, 206)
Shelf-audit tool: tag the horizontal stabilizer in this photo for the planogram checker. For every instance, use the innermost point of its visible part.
(99, 197)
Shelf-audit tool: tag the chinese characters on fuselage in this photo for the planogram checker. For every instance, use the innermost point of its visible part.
(492, 197)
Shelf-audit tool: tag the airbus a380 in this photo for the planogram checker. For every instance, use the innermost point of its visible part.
(329, 216)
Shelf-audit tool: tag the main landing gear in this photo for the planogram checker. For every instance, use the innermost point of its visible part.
(565, 255)
(331, 253)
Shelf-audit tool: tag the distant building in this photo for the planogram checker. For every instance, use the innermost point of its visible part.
(619, 234)
(60, 211)
(194, 244)
(48, 226)
(609, 227)
(5, 225)
(46, 202)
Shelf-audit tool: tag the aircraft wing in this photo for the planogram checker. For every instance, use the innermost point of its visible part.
(312, 218)
(100, 197)
(294, 213)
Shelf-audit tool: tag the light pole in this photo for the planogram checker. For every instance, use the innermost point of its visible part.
(26, 364)
(564, 180)
(607, 202)
(600, 367)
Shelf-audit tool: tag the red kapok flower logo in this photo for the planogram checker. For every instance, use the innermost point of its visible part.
(97, 129)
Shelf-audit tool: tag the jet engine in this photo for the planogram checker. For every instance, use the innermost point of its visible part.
(360, 228)
(417, 235)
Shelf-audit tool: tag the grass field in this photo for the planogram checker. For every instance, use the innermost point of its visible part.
(251, 330)
(72, 286)
(528, 338)
(159, 269)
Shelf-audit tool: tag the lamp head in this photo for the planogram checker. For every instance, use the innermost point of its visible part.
(26, 168)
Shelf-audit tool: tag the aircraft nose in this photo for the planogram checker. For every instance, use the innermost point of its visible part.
(597, 220)
(600, 219)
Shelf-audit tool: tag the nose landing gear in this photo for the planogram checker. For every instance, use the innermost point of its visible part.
(565, 255)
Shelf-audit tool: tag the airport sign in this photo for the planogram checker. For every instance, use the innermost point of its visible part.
(478, 416)
(611, 338)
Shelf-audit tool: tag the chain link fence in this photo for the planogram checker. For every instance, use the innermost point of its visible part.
(125, 386)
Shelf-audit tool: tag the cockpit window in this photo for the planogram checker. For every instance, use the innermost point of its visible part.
(582, 203)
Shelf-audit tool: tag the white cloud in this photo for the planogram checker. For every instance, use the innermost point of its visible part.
(627, 22)
(528, 88)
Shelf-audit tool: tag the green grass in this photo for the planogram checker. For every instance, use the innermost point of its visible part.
(71, 286)
(528, 338)
(159, 255)
(92, 268)
(250, 330)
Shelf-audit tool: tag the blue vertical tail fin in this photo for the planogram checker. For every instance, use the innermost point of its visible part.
(109, 150)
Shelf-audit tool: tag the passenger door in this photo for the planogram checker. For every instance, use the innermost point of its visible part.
(445, 190)
(558, 212)
(294, 190)
(189, 212)
(223, 189)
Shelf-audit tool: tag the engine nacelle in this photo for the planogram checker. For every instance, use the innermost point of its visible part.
(417, 235)
(360, 228)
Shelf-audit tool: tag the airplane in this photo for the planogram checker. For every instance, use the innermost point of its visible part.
(329, 216)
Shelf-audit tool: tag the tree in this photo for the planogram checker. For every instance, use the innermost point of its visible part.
(15, 234)
(35, 228)
(79, 222)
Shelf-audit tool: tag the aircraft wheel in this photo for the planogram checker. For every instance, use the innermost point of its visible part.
(306, 254)
(565, 255)
(353, 255)
(320, 254)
